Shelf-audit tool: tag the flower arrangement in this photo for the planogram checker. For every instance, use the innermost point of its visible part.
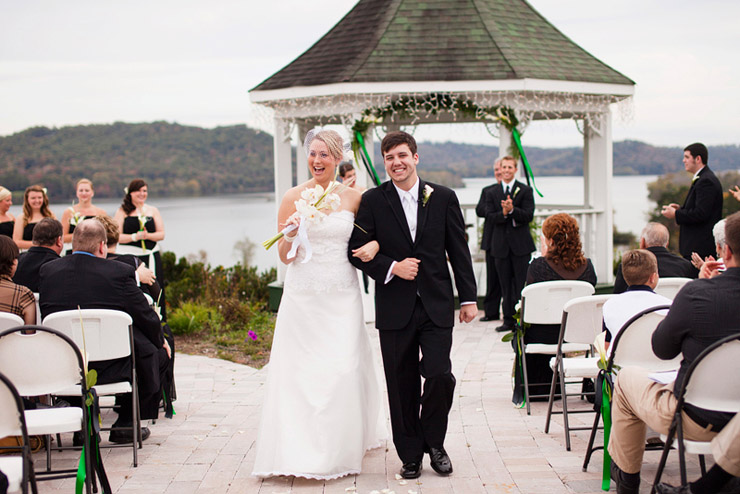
(310, 209)
(142, 227)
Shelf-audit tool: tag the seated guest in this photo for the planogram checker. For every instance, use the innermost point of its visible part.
(145, 276)
(703, 312)
(710, 266)
(723, 476)
(87, 280)
(654, 237)
(640, 270)
(562, 259)
(47, 245)
(15, 299)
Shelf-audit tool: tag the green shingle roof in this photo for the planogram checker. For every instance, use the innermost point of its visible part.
(442, 40)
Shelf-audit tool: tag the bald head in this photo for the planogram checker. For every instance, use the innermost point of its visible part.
(88, 236)
(654, 235)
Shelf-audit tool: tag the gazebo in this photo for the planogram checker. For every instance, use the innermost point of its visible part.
(394, 63)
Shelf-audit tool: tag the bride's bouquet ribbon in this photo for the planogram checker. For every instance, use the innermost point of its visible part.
(301, 239)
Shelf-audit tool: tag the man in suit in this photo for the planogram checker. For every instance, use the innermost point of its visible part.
(47, 245)
(86, 279)
(654, 237)
(492, 302)
(702, 207)
(703, 312)
(509, 208)
(418, 226)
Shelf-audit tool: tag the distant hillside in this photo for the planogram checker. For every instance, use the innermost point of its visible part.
(175, 160)
(178, 160)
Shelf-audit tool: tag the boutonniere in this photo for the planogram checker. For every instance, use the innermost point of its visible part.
(515, 192)
(426, 194)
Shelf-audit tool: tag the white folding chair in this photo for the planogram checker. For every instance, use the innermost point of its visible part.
(582, 322)
(107, 335)
(38, 307)
(669, 287)
(632, 346)
(18, 469)
(542, 303)
(40, 361)
(704, 387)
(8, 320)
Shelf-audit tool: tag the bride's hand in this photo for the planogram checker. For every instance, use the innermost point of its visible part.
(293, 219)
(367, 252)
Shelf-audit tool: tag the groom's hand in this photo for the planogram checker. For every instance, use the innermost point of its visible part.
(468, 312)
(406, 269)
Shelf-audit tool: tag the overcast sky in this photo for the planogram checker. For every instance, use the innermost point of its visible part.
(193, 62)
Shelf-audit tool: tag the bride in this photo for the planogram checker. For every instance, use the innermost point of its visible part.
(322, 408)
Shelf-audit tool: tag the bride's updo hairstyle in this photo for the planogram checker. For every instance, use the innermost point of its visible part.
(562, 230)
(332, 139)
(128, 204)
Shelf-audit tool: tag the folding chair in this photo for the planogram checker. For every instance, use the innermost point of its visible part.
(703, 387)
(8, 320)
(582, 322)
(107, 335)
(40, 361)
(542, 303)
(633, 347)
(18, 469)
(669, 287)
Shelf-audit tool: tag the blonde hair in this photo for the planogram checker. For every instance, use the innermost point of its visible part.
(4, 193)
(333, 141)
(84, 181)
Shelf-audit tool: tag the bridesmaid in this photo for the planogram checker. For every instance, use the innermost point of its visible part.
(7, 220)
(35, 208)
(82, 210)
(141, 229)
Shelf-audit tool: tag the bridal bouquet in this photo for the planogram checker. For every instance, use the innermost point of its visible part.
(309, 208)
(142, 226)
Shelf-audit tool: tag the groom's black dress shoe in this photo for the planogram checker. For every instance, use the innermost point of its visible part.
(440, 461)
(504, 328)
(411, 470)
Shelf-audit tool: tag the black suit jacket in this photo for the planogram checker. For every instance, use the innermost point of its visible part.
(440, 233)
(670, 265)
(510, 234)
(29, 264)
(696, 218)
(480, 210)
(704, 311)
(95, 283)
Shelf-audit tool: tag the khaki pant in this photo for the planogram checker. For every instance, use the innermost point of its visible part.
(726, 447)
(639, 402)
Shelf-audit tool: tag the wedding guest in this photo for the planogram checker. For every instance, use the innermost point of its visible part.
(735, 192)
(349, 176)
(492, 302)
(16, 299)
(703, 312)
(141, 229)
(710, 266)
(562, 259)
(7, 220)
(46, 246)
(654, 237)
(82, 210)
(144, 276)
(35, 208)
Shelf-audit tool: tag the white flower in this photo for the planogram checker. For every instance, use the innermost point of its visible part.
(426, 194)
(333, 201)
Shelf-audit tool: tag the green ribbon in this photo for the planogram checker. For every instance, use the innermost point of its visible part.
(527, 169)
(81, 473)
(368, 162)
(606, 416)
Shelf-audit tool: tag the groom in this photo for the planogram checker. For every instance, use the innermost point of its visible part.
(418, 226)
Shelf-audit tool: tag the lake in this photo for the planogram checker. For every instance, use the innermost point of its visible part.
(215, 224)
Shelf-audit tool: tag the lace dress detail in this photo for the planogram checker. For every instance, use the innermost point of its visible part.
(328, 269)
(323, 406)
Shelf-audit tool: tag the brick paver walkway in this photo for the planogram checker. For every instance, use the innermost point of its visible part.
(494, 447)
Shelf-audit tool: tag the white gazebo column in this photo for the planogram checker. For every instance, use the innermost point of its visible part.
(597, 179)
(301, 160)
(283, 174)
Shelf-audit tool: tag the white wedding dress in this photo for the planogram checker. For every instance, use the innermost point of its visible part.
(322, 408)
